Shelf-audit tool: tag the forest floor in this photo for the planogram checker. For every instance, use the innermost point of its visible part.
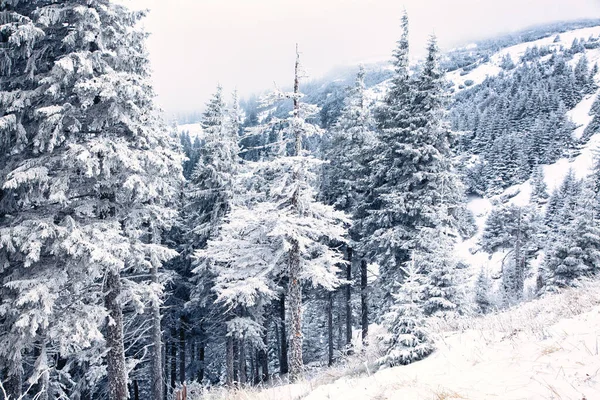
(544, 349)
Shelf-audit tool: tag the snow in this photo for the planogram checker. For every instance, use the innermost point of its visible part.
(518, 355)
(492, 68)
(544, 349)
(195, 130)
(580, 115)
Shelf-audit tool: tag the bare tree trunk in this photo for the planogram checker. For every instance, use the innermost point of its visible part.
(364, 306)
(295, 303)
(157, 365)
(349, 299)
(229, 361)
(339, 320)
(283, 355)
(330, 327)
(182, 324)
(173, 358)
(136, 390)
(115, 358)
(165, 387)
(264, 358)
(242, 361)
(201, 356)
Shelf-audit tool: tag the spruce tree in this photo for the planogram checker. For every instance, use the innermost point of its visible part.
(413, 179)
(573, 249)
(87, 175)
(408, 339)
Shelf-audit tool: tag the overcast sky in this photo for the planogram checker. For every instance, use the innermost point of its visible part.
(249, 44)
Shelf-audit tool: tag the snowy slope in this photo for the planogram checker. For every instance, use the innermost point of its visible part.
(545, 349)
(195, 130)
(521, 354)
(469, 252)
(492, 68)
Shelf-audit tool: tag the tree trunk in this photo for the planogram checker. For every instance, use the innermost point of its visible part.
(182, 323)
(201, 356)
(136, 390)
(115, 358)
(173, 357)
(157, 365)
(295, 304)
(229, 361)
(264, 358)
(283, 355)
(364, 306)
(330, 327)
(242, 361)
(165, 387)
(348, 300)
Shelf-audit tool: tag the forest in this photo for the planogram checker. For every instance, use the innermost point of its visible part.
(135, 259)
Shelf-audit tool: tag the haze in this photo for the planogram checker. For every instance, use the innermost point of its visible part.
(249, 44)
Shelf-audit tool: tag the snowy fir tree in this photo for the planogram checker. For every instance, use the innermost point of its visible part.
(87, 176)
(210, 188)
(276, 231)
(574, 247)
(408, 339)
(483, 292)
(539, 189)
(413, 176)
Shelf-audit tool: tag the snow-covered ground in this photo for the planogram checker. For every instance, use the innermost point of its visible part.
(195, 130)
(544, 349)
(492, 68)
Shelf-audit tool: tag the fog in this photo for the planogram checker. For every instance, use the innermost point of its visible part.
(249, 44)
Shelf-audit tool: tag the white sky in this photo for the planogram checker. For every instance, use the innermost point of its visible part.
(249, 44)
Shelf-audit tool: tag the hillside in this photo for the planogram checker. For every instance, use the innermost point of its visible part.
(544, 349)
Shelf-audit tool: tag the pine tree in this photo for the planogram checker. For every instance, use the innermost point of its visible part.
(483, 290)
(276, 230)
(413, 176)
(408, 339)
(539, 189)
(442, 294)
(573, 249)
(87, 176)
(512, 229)
(209, 191)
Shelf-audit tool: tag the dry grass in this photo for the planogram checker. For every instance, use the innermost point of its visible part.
(445, 394)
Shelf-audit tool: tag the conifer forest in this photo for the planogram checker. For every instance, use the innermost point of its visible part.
(350, 224)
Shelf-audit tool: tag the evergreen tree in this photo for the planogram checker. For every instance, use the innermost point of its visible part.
(87, 175)
(573, 249)
(511, 229)
(539, 189)
(413, 176)
(210, 188)
(408, 339)
(277, 230)
(483, 290)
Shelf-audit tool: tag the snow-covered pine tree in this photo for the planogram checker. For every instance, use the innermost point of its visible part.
(345, 183)
(408, 339)
(539, 189)
(348, 151)
(433, 254)
(483, 292)
(573, 250)
(512, 229)
(86, 175)
(276, 229)
(209, 191)
(414, 181)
